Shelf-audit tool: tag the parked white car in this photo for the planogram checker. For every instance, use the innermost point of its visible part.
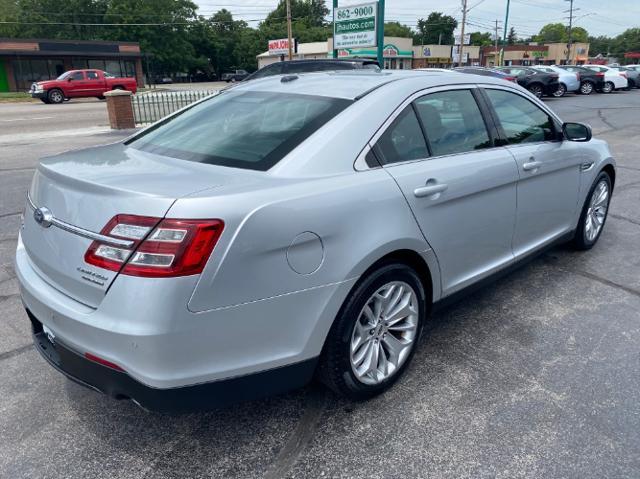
(613, 79)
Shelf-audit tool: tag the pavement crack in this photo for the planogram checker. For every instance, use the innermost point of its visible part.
(604, 120)
(604, 281)
(5, 297)
(17, 169)
(301, 437)
(6, 215)
(15, 352)
(624, 218)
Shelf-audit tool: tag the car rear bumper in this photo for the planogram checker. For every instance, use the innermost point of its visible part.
(120, 385)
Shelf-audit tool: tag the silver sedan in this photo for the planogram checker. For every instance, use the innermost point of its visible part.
(293, 227)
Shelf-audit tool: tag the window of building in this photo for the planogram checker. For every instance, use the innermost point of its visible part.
(113, 67)
(96, 64)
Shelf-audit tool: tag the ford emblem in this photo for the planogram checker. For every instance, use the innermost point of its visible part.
(43, 217)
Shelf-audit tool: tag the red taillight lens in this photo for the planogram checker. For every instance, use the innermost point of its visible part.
(160, 248)
(624, 75)
(600, 74)
(578, 77)
(513, 79)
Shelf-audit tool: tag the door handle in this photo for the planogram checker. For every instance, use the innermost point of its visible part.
(531, 165)
(430, 189)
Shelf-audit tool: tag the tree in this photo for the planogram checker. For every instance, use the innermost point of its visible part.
(552, 33)
(438, 28)
(312, 12)
(396, 29)
(512, 37)
(482, 39)
(599, 45)
(578, 35)
(627, 41)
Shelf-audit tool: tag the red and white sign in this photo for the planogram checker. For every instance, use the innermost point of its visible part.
(281, 46)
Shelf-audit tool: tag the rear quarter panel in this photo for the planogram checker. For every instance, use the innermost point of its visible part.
(358, 217)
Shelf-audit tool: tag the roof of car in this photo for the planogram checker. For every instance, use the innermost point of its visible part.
(351, 84)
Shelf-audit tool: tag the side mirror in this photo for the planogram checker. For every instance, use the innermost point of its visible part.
(576, 131)
(69, 79)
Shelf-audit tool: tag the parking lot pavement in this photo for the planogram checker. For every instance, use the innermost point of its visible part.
(537, 375)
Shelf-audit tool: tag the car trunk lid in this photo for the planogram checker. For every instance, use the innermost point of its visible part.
(84, 190)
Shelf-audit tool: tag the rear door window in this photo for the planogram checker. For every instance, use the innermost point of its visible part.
(91, 75)
(241, 129)
(403, 140)
(453, 122)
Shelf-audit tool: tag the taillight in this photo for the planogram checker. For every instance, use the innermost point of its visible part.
(600, 74)
(554, 77)
(513, 79)
(623, 75)
(578, 76)
(159, 247)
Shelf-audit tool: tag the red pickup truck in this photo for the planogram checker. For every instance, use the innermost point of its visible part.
(80, 84)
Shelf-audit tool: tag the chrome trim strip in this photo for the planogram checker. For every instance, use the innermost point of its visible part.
(83, 232)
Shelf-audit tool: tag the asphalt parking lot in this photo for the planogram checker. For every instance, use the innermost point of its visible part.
(536, 376)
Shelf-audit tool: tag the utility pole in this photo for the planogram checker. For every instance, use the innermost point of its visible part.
(504, 36)
(569, 32)
(464, 20)
(335, 6)
(496, 61)
(289, 30)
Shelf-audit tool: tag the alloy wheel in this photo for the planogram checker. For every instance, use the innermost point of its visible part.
(586, 88)
(384, 333)
(597, 211)
(560, 91)
(608, 87)
(536, 90)
(56, 97)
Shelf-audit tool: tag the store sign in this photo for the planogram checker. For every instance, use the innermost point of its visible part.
(455, 54)
(280, 47)
(426, 52)
(355, 26)
(467, 39)
(390, 51)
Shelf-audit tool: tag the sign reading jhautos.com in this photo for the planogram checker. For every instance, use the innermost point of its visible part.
(355, 26)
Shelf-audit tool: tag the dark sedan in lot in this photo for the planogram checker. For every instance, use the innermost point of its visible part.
(537, 82)
(309, 66)
(590, 80)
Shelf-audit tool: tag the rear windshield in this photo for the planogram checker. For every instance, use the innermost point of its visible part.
(252, 130)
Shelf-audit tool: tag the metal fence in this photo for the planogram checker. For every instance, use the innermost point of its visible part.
(149, 107)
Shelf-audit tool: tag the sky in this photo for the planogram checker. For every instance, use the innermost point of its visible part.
(598, 17)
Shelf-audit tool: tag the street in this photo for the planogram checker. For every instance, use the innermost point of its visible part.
(536, 375)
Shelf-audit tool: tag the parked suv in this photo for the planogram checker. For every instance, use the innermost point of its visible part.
(537, 82)
(80, 84)
(306, 66)
(589, 80)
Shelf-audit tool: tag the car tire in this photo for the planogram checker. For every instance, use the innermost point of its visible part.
(55, 96)
(586, 88)
(560, 92)
(537, 90)
(361, 337)
(594, 213)
(608, 87)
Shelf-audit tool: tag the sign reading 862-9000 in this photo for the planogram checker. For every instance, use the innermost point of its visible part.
(355, 26)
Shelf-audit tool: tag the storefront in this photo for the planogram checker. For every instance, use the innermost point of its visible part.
(397, 53)
(432, 56)
(23, 62)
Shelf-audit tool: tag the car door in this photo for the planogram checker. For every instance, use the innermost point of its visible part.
(549, 169)
(95, 83)
(460, 186)
(76, 85)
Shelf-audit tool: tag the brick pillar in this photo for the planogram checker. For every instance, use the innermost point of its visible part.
(120, 109)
